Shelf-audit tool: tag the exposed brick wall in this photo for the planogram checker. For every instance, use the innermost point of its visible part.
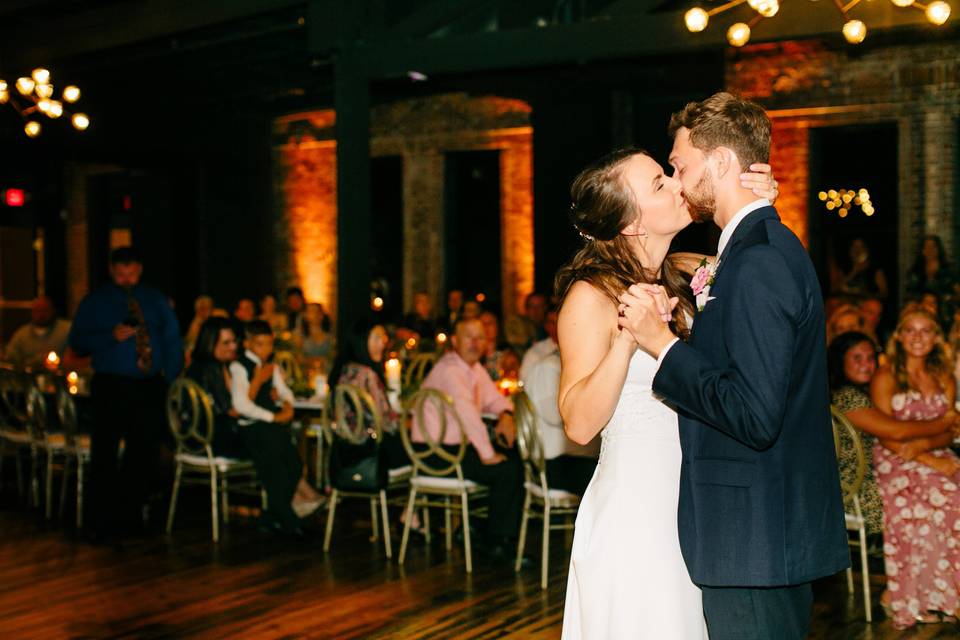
(813, 84)
(420, 131)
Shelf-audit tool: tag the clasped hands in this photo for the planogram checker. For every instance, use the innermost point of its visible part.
(645, 313)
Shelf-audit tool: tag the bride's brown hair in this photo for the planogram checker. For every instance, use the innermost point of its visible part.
(602, 208)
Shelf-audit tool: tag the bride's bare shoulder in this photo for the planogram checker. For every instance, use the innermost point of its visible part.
(586, 300)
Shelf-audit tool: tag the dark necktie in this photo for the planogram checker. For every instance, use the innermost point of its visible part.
(144, 357)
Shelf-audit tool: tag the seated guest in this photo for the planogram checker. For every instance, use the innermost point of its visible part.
(295, 307)
(454, 308)
(360, 362)
(852, 361)
(256, 387)
(420, 321)
(523, 330)
(471, 310)
(845, 318)
(543, 347)
(498, 358)
(871, 311)
(314, 340)
(268, 312)
(245, 311)
(202, 309)
(570, 466)
(921, 504)
(460, 375)
(214, 350)
(44, 333)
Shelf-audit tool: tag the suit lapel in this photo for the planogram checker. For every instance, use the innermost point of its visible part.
(743, 229)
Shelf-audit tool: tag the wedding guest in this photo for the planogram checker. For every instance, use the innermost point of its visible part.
(921, 501)
(852, 362)
(314, 341)
(525, 329)
(471, 310)
(256, 388)
(268, 312)
(570, 466)
(295, 306)
(454, 308)
(360, 362)
(932, 273)
(215, 349)
(844, 318)
(543, 347)
(245, 311)
(871, 310)
(132, 334)
(460, 375)
(31, 343)
(863, 278)
(202, 309)
(498, 357)
(420, 321)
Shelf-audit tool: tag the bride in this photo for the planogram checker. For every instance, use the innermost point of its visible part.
(627, 577)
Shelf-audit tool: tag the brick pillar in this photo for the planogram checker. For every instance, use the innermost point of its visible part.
(516, 222)
(423, 228)
(940, 166)
(791, 166)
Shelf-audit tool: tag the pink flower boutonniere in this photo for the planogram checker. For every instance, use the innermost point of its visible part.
(702, 281)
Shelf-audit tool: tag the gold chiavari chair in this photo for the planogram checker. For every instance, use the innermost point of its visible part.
(540, 501)
(292, 372)
(358, 425)
(417, 369)
(433, 466)
(190, 415)
(72, 447)
(846, 436)
(15, 437)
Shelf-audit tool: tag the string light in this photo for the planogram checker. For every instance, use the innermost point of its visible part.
(854, 31)
(844, 200)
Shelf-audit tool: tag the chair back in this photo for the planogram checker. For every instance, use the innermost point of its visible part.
(36, 405)
(847, 438)
(417, 369)
(435, 404)
(190, 415)
(292, 372)
(67, 412)
(530, 440)
(13, 397)
(356, 418)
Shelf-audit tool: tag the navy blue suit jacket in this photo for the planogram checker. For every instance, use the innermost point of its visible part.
(760, 502)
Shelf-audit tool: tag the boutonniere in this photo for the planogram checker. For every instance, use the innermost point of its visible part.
(702, 281)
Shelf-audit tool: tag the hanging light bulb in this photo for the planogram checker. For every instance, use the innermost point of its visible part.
(4, 96)
(71, 93)
(43, 106)
(56, 109)
(766, 8)
(44, 90)
(3, 85)
(738, 34)
(696, 19)
(32, 129)
(854, 31)
(80, 121)
(25, 86)
(902, 3)
(938, 12)
(40, 75)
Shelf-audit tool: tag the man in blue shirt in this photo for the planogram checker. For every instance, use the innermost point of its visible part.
(133, 336)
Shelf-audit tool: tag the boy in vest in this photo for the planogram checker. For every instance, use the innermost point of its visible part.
(264, 404)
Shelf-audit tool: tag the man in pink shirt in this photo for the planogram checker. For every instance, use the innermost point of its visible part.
(460, 375)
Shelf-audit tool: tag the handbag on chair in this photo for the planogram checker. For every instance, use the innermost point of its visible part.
(357, 467)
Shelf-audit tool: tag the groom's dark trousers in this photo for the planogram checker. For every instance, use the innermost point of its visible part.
(760, 513)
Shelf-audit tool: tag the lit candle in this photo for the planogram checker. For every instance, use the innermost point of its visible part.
(393, 374)
(72, 377)
(441, 339)
(53, 360)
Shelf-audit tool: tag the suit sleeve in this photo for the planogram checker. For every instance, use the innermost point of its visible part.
(747, 399)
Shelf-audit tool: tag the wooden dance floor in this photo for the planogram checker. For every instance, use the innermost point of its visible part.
(254, 586)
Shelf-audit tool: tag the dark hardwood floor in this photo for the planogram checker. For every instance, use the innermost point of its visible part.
(53, 585)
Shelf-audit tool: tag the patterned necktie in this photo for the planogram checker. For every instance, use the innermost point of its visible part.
(144, 357)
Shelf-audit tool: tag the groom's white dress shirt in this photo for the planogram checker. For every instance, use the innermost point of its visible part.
(725, 234)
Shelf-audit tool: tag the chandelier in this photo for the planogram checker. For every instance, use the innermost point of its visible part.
(854, 31)
(32, 96)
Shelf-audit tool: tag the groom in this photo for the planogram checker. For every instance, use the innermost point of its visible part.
(760, 512)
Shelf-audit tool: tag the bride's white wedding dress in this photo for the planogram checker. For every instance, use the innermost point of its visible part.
(627, 576)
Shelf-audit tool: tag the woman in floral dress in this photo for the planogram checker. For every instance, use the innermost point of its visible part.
(921, 497)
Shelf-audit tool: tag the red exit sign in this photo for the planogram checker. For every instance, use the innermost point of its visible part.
(14, 197)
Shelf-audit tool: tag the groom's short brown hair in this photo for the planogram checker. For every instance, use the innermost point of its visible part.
(726, 120)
